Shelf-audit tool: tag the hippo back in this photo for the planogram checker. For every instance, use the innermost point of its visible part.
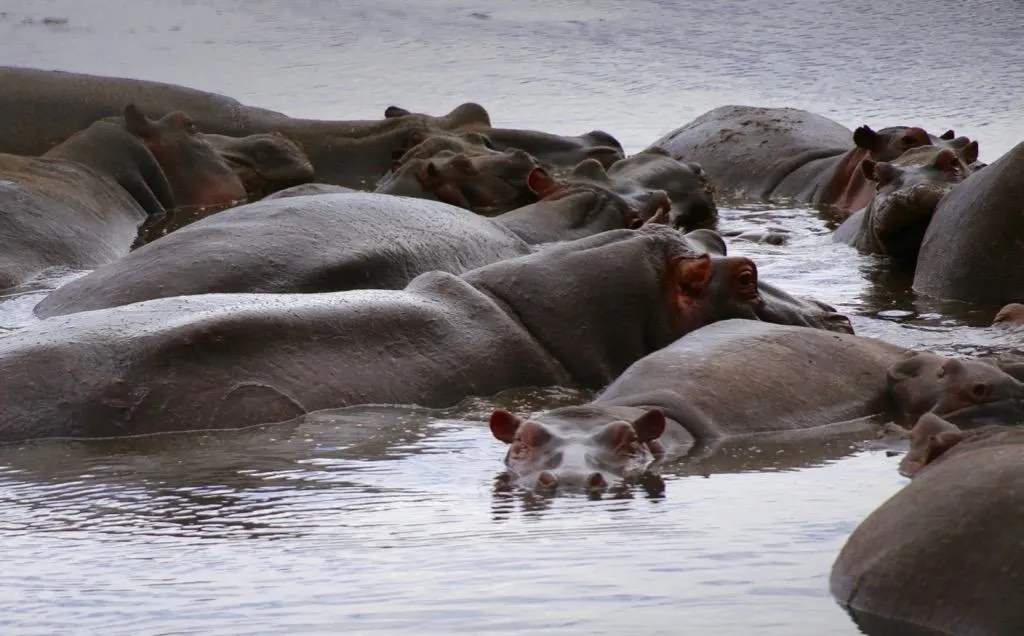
(320, 243)
(971, 249)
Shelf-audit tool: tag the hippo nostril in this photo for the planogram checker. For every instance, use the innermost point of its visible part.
(547, 480)
(596, 480)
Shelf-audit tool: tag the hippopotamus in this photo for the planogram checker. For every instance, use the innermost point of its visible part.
(349, 153)
(575, 314)
(970, 249)
(943, 553)
(692, 197)
(789, 154)
(266, 163)
(427, 145)
(909, 189)
(558, 152)
(86, 201)
(488, 184)
(1011, 315)
(688, 396)
(309, 189)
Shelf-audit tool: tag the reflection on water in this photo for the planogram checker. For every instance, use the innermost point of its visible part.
(387, 519)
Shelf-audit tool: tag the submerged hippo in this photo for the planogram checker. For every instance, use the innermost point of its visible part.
(690, 394)
(487, 184)
(786, 153)
(558, 152)
(1011, 315)
(266, 163)
(575, 314)
(86, 201)
(971, 251)
(348, 153)
(692, 197)
(943, 553)
(909, 190)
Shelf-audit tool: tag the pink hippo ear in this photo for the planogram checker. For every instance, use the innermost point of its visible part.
(691, 276)
(649, 426)
(949, 134)
(395, 111)
(137, 123)
(504, 425)
(541, 182)
(866, 138)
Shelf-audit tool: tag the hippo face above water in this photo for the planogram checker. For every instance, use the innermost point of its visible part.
(562, 452)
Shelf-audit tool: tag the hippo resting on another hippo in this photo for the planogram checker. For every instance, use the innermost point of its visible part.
(786, 153)
(728, 380)
(84, 202)
(909, 190)
(348, 153)
(577, 313)
(972, 251)
(266, 163)
(944, 553)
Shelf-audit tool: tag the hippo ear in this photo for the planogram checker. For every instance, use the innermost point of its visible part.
(866, 138)
(691, 276)
(136, 122)
(947, 161)
(392, 112)
(540, 182)
(590, 168)
(867, 166)
(969, 153)
(649, 426)
(504, 425)
(949, 134)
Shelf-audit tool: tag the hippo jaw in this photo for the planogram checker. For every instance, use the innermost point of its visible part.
(544, 458)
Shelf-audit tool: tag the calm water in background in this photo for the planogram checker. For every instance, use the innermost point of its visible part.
(385, 519)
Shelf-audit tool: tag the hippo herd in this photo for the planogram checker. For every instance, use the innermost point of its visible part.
(243, 267)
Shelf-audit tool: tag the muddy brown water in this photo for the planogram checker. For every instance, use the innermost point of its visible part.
(386, 519)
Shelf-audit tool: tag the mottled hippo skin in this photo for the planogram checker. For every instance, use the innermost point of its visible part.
(971, 250)
(308, 244)
(348, 153)
(558, 152)
(690, 393)
(266, 163)
(85, 202)
(943, 553)
(908, 191)
(576, 314)
(789, 154)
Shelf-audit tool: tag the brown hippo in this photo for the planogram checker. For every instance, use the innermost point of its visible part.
(348, 153)
(487, 184)
(971, 249)
(691, 395)
(789, 154)
(557, 152)
(575, 314)
(1011, 315)
(943, 553)
(908, 190)
(84, 202)
(266, 163)
(693, 200)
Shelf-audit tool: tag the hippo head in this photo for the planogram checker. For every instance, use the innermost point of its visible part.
(889, 143)
(908, 190)
(266, 162)
(933, 439)
(201, 180)
(966, 392)
(574, 447)
(485, 183)
(636, 203)
(730, 291)
(1011, 315)
(466, 115)
(426, 144)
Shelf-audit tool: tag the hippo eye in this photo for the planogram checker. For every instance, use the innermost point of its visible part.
(746, 278)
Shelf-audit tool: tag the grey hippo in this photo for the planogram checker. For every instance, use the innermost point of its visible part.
(943, 553)
(349, 153)
(787, 154)
(85, 202)
(574, 314)
(733, 379)
(971, 251)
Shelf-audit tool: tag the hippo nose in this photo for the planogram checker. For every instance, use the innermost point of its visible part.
(547, 479)
(596, 480)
